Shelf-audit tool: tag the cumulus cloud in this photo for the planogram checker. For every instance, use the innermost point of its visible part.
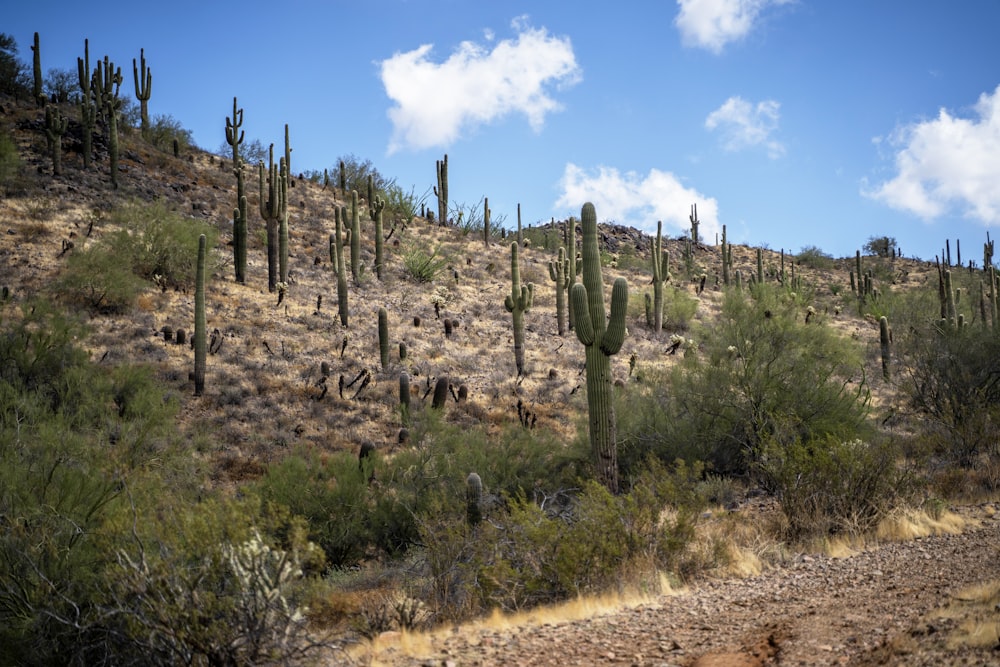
(636, 200)
(434, 103)
(711, 24)
(745, 125)
(948, 163)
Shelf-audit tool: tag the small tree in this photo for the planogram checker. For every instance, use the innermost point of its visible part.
(882, 246)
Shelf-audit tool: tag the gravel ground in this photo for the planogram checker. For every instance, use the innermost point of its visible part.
(883, 606)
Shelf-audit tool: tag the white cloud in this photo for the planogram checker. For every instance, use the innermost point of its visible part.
(711, 24)
(638, 201)
(434, 103)
(947, 163)
(744, 125)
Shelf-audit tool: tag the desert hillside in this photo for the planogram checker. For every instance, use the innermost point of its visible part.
(767, 418)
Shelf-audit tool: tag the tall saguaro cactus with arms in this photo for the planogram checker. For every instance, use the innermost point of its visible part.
(602, 338)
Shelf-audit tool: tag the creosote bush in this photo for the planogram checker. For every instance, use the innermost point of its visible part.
(552, 548)
(143, 244)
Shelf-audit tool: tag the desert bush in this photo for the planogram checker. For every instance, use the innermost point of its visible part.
(402, 205)
(531, 553)
(10, 162)
(953, 381)
(832, 486)
(355, 174)
(164, 130)
(96, 278)
(880, 246)
(154, 240)
(814, 258)
(106, 536)
(761, 375)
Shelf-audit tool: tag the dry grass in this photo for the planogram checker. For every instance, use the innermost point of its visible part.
(976, 610)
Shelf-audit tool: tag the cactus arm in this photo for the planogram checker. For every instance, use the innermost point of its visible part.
(614, 335)
(584, 329)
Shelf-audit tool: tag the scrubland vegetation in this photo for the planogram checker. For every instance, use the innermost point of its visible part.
(140, 524)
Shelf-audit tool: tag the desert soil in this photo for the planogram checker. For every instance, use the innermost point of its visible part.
(900, 603)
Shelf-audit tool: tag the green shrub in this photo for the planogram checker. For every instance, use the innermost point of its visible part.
(531, 553)
(814, 258)
(832, 486)
(954, 384)
(761, 374)
(97, 279)
(153, 240)
(355, 173)
(164, 130)
(880, 246)
(402, 205)
(10, 162)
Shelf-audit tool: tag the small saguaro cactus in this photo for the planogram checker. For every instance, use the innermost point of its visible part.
(55, 128)
(694, 223)
(559, 273)
(661, 274)
(884, 340)
(572, 268)
(486, 221)
(375, 207)
(760, 266)
(200, 325)
(517, 303)
(234, 135)
(440, 393)
(727, 258)
(240, 228)
(601, 337)
(473, 499)
(340, 215)
(441, 190)
(383, 338)
(355, 239)
(404, 397)
(143, 87)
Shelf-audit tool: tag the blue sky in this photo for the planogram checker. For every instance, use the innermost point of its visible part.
(793, 122)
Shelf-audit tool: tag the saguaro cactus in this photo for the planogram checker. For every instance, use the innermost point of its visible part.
(199, 319)
(601, 338)
(694, 223)
(340, 215)
(37, 68)
(106, 82)
(559, 273)
(355, 239)
(375, 208)
(273, 186)
(383, 338)
(517, 303)
(143, 87)
(486, 221)
(661, 273)
(404, 397)
(240, 228)
(88, 112)
(234, 135)
(473, 499)
(884, 339)
(727, 258)
(441, 190)
(55, 128)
